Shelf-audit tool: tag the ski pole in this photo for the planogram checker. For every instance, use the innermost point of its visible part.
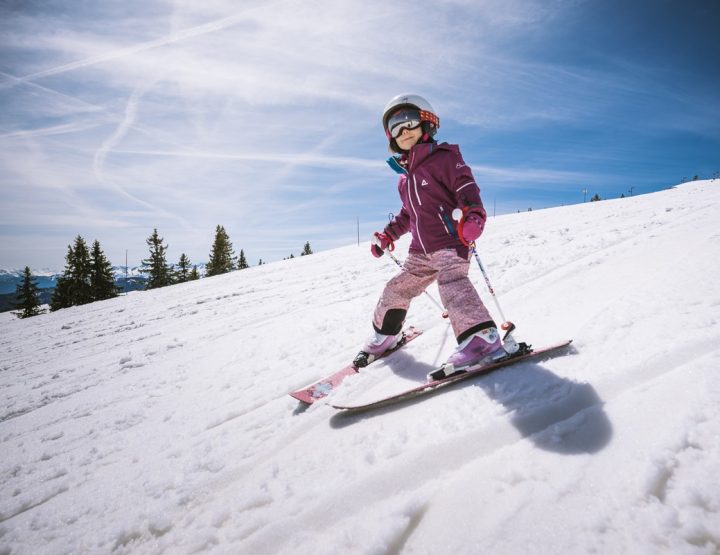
(487, 281)
(509, 343)
(507, 326)
(437, 304)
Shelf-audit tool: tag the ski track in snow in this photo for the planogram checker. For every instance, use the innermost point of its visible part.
(159, 422)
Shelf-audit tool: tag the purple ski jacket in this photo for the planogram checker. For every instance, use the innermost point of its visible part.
(434, 180)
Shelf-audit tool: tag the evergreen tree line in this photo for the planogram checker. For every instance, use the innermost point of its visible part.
(88, 276)
(306, 250)
(222, 260)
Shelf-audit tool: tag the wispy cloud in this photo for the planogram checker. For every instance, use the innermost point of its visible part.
(306, 159)
(265, 117)
(115, 54)
(60, 129)
(528, 175)
(109, 144)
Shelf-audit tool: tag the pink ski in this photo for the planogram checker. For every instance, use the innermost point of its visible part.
(321, 388)
(431, 386)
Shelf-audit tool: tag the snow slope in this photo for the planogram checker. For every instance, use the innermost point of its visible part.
(159, 422)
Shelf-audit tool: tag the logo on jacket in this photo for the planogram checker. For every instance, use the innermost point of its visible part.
(424, 183)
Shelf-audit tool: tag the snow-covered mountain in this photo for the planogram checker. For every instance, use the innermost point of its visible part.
(136, 271)
(47, 278)
(37, 272)
(159, 422)
(10, 278)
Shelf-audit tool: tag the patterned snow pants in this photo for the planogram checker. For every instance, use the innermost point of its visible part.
(458, 295)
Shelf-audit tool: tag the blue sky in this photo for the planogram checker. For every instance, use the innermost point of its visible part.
(264, 116)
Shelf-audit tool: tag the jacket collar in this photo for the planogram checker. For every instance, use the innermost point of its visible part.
(417, 155)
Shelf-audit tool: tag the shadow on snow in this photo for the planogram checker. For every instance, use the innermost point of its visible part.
(555, 413)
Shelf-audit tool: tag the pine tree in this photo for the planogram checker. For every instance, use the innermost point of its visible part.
(183, 269)
(102, 280)
(595, 198)
(28, 303)
(194, 274)
(221, 256)
(306, 250)
(159, 273)
(73, 287)
(61, 297)
(81, 289)
(242, 263)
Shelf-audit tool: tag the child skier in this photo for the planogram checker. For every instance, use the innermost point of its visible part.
(434, 181)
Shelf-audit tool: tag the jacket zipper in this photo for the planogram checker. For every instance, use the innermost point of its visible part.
(412, 205)
(417, 195)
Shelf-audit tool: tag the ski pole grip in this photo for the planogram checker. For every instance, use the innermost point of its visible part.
(390, 246)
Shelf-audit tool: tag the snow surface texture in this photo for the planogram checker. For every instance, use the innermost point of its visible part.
(159, 422)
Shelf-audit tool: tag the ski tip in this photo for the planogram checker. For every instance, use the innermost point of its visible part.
(305, 400)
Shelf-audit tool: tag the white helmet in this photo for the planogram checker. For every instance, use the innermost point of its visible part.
(430, 121)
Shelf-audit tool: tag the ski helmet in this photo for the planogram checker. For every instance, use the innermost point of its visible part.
(428, 119)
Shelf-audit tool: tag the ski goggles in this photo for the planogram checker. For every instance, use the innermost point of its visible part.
(407, 118)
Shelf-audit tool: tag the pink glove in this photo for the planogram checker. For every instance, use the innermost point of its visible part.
(471, 223)
(380, 242)
(472, 227)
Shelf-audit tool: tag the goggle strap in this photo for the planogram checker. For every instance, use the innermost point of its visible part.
(429, 116)
(424, 116)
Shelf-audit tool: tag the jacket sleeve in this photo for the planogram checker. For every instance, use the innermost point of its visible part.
(399, 225)
(461, 183)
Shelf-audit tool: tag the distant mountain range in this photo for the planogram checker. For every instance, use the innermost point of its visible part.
(46, 279)
(9, 279)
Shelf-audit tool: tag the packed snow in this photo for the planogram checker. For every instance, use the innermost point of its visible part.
(160, 421)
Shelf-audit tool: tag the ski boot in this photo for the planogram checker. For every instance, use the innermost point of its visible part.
(375, 346)
(481, 347)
